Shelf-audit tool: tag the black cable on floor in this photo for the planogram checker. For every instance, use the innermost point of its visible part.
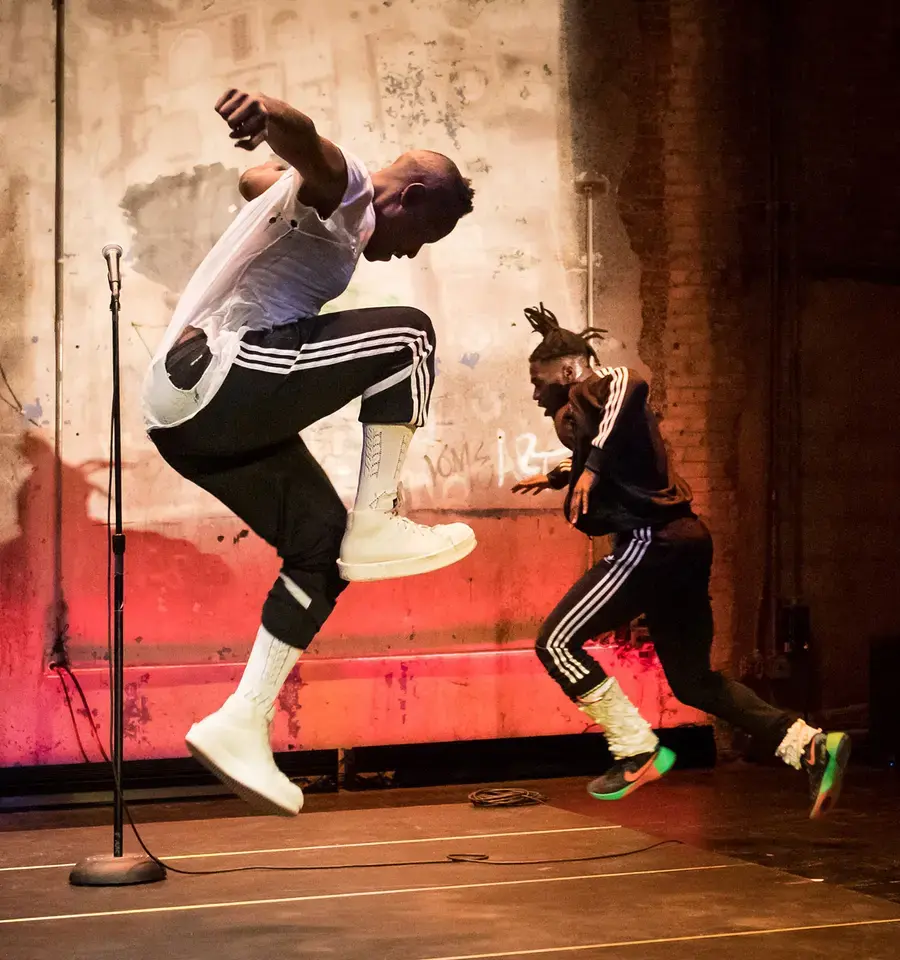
(505, 797)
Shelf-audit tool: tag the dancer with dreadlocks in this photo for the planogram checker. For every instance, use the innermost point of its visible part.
(620, 482)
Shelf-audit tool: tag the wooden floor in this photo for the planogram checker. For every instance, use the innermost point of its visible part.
(672, 902)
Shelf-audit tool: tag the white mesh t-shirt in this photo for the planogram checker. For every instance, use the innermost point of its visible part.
(277, 262)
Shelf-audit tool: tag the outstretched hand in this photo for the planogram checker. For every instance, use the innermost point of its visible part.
(533, 484)
(246, 115)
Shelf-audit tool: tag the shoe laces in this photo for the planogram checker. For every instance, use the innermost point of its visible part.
(410, 526)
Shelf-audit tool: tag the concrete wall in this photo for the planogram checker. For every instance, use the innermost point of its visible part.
(156, 169)
(27, 367)
(148, 164)
(666, 99)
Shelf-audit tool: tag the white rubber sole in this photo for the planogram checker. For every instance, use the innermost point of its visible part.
(238, 776)
(408, 566)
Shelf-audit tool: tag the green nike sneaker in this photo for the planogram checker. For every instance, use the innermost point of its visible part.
(626, 775)
(825, 760)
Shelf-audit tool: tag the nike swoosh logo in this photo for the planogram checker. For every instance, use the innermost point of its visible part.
(631, 777)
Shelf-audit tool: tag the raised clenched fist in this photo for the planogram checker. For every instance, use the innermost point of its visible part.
(246, 115)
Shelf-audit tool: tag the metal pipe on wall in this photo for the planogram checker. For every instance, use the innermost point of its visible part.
(586, 185)
(589, 228)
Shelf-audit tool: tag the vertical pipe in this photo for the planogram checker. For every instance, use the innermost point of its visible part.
(59, 614)
(589, 190)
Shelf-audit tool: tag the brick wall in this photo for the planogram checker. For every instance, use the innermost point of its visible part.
(681, 200)
(694, 200)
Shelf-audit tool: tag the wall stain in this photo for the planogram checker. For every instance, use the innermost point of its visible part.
(136, 710)
(176, 220)
(124, 13)
(405, 97)
(33, 411)
(403, 683)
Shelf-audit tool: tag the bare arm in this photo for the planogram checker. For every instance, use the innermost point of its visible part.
(257, 180)
(293, 136)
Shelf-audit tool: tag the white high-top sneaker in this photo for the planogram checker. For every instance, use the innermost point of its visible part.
(380, 546)
(233, 743)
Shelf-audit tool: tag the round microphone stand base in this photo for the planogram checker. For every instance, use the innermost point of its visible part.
(112, 871)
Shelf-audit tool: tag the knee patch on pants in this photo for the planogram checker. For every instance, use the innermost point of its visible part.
(298, 605)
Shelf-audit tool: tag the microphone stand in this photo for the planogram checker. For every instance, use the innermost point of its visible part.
(118, 869)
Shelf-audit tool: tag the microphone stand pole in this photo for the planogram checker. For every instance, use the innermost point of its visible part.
(117, 870)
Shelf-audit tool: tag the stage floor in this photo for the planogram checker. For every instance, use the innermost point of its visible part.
(679, 901)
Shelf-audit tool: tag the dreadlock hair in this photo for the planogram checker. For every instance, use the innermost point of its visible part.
(558, 342)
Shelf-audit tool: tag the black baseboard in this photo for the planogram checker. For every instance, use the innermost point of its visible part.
(407, 765)
(527, 758)
(63, 785)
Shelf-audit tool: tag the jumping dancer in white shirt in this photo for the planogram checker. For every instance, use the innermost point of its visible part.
(248, 362)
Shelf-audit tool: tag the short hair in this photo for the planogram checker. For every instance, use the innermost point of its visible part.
(441, 174)
(556, 341)
(464, 194)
